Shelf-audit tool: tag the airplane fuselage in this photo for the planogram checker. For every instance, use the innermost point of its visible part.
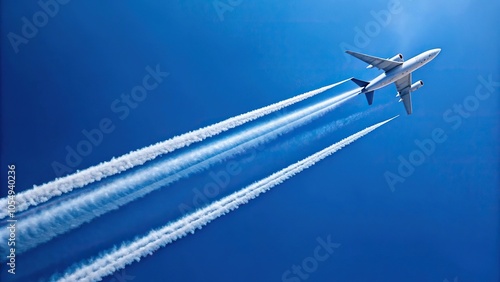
(396, 71)
(401, 71)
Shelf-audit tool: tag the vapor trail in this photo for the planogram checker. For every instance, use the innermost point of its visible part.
(53, 220)
(44, 192)
(310, 136)
(116, 259)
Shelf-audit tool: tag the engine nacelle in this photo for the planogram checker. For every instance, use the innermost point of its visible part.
(397, 58)
(413, 87)
(416, 85)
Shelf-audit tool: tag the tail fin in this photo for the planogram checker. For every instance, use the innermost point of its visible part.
(369, 97)
(360, 83)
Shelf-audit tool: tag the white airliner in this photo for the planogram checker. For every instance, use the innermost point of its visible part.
(395, 70)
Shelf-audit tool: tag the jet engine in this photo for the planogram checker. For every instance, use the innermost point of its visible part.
(397, 58)
(413, 87)
(416, 85)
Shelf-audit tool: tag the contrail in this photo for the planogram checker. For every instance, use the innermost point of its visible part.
(53, 220)
(43, 193)
(328, 128)
(116, 259)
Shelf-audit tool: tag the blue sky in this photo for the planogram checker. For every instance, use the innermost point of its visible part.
(440, 223)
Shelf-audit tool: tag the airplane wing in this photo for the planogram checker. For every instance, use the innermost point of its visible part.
(403, 86)
(380, 63)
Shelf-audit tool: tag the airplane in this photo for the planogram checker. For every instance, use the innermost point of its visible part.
(395, 70)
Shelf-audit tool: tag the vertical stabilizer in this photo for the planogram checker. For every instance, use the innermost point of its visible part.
(369, 97)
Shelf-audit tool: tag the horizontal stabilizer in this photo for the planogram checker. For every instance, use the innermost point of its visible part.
(360, 83)
(369, 97)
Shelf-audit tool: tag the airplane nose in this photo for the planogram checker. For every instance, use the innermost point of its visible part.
(437, 51)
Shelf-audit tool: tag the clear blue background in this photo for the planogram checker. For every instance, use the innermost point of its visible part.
(441, 223)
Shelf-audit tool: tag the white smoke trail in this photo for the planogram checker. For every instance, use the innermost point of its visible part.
(310, 136)
(43, 193)
(53, 220)
(118, 258)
